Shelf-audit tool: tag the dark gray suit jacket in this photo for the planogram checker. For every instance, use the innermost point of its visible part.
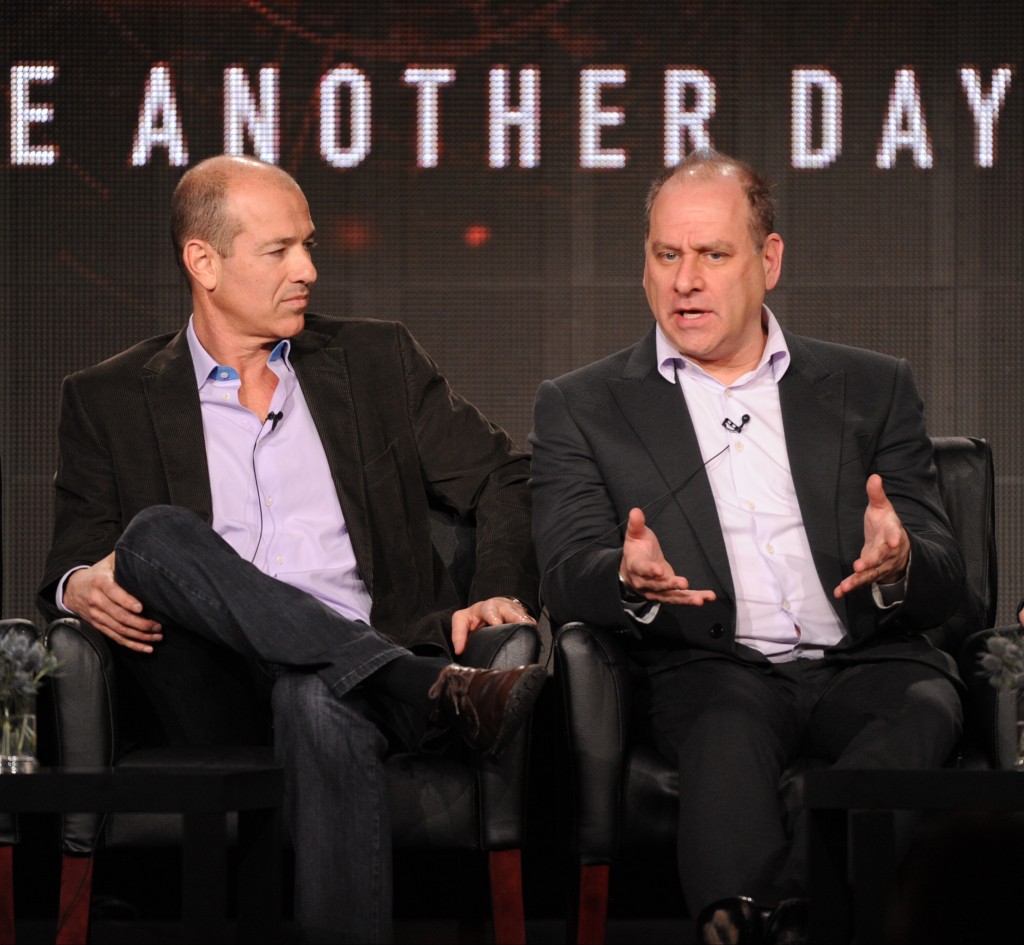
(616, 434)
(396, 438)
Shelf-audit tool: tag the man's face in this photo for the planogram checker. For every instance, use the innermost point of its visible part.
(704, 281)
(262, 288)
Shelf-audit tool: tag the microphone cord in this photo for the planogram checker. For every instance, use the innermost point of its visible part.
(275, 419)
(620, 525)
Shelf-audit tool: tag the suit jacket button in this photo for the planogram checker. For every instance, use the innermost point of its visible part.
(716, 631)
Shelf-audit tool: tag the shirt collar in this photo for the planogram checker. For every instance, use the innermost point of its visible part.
(776, 351)
(207, 368)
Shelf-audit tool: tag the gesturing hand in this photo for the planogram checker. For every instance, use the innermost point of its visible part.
(883, 559)
(646, 571)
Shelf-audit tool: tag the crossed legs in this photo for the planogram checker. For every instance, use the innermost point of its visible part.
(326, 734)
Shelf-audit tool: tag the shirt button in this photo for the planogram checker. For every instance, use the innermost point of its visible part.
(716, 631)
(785, 605)
(751, 506)
(770, 549)
(728, 392)
(279, 559)
(739, 447)
(227, 397)
(268, 501)
(224, 375)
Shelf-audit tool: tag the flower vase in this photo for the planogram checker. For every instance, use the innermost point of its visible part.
(18, 734)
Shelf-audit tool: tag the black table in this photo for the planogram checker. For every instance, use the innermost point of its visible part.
(858, 808)
(204, 795)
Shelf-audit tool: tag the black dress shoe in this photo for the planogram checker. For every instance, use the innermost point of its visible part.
(486, 706)
(789, 923)
(736, 920)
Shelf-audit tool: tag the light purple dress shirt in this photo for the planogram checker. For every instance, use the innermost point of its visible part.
(274, 499)
(781, 608)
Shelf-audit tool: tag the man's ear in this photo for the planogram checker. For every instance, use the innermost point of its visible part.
(772, 260)
(201, 263)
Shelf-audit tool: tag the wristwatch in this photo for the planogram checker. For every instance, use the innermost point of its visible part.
(629, 595)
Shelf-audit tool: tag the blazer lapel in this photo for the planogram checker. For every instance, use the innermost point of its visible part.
(657, 412)
(320, 363)
(169, 386)
(812, 401)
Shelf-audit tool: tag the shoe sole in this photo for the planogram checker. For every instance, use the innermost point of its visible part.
(520, 703)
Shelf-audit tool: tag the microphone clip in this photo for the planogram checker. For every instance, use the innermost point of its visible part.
(736, 428)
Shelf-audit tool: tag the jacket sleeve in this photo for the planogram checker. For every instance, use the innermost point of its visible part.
(904, 460)
(87, 519)
(574, 520)
(476, 469)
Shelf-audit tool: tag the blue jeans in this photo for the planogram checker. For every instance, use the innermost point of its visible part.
(326, 736)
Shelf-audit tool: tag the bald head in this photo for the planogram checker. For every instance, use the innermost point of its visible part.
(706, 164)
(200, 208)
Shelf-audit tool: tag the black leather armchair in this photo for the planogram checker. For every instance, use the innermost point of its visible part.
(625, 795)
(441, 802)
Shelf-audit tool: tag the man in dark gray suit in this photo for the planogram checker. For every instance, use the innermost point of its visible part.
(252, 493)
(759, 512)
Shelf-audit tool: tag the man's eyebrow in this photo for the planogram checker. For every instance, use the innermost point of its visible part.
(286, 241)
(716, 246)
(711, 246)
(276, 241)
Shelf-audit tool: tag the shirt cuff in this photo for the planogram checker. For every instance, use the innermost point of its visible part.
(59, 596)
(887, 596)
(636, 605)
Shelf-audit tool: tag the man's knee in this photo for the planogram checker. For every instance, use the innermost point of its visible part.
(937, 705)
(163, 522)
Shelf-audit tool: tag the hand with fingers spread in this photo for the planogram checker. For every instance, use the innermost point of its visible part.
(486, 613)
(94, 595)
(645, 570)
(886, 551)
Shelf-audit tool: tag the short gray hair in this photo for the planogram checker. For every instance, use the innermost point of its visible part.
(199, 204)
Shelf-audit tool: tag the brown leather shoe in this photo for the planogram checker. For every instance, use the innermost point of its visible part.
(486, 706)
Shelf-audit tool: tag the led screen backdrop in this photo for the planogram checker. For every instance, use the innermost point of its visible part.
(477, 169)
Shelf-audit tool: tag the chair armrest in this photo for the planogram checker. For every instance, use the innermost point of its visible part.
(85, 714)
(85, 694)
(990, 713)
(594, 677)
(503, 781)
(502, 647)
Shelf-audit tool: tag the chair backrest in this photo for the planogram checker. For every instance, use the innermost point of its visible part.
(967, 485)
